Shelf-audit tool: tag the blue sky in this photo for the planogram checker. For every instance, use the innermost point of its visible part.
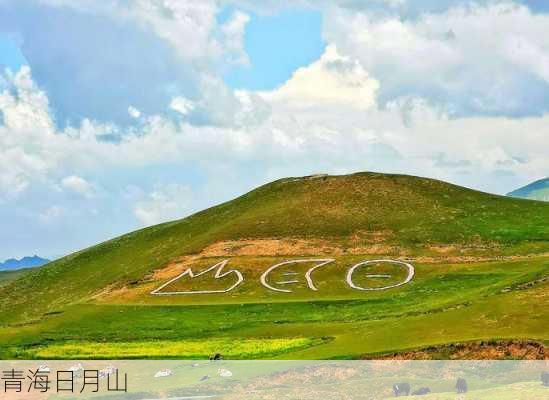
(10, 54)
(122, 114)
(277, 45)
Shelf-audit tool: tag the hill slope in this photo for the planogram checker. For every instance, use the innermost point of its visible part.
(410, 215)
(7, 277)
(481, 263)
(538, 190)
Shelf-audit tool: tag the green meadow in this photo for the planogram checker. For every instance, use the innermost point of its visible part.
(6, 277)
(443, 304)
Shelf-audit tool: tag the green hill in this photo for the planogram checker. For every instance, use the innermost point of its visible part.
(470, 250)
(7, 277)
(538, 190)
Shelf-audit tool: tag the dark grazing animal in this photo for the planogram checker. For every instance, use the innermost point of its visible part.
(461, 386)
(421, 391)
(216, 357)
(401, 389)
(545, 379)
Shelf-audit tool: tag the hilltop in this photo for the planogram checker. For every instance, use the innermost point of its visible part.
(467, 247)
(538, 190)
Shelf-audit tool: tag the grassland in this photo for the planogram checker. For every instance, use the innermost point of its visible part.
(182, 349)
(445, 304)
(482, 263)
(7, 277)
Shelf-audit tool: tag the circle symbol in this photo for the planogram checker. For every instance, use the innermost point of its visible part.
(409, 277)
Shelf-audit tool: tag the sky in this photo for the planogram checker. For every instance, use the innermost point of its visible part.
(121, 114)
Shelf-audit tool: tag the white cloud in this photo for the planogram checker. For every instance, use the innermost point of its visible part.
(332, 79)
(51, 214)
(253, 109)
(191, 27)
(472, 59)
(182, 105)
(233, 31)
(409, 135)
(134, 112)
(78, 185)
(164, 49)
(24, 107)
(165, 203)
(26, 124)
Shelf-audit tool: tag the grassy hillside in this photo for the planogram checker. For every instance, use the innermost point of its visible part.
(538, 190)
(412, 213)
(471, 250)
(7, 277)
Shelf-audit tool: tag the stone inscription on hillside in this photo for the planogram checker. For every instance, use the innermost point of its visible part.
(284, 277)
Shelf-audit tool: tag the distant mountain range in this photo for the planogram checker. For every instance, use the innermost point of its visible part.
(538, 190)
(26, 262)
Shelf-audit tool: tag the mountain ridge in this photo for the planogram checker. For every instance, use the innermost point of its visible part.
(537, 190)
(13, 264)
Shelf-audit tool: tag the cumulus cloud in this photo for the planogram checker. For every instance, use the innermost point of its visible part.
(26, 120)
(78, 185)
(51, 214)
(233, 31)
(409, 134)
(332, 79)
(182, 105)
(489, 59)
(174, 20)
(165, 203)
(134, 112)
(162, 49)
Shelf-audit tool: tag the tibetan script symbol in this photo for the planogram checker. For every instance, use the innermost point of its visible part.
(219, 274)
(409, 277)
(308, 278)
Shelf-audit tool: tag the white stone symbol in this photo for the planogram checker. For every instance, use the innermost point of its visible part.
(308, 278)
(351, 271)
(218, 275)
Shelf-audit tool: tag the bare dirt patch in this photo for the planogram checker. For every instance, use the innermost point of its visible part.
(483, 350)
(293, 247)
(360, 243)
